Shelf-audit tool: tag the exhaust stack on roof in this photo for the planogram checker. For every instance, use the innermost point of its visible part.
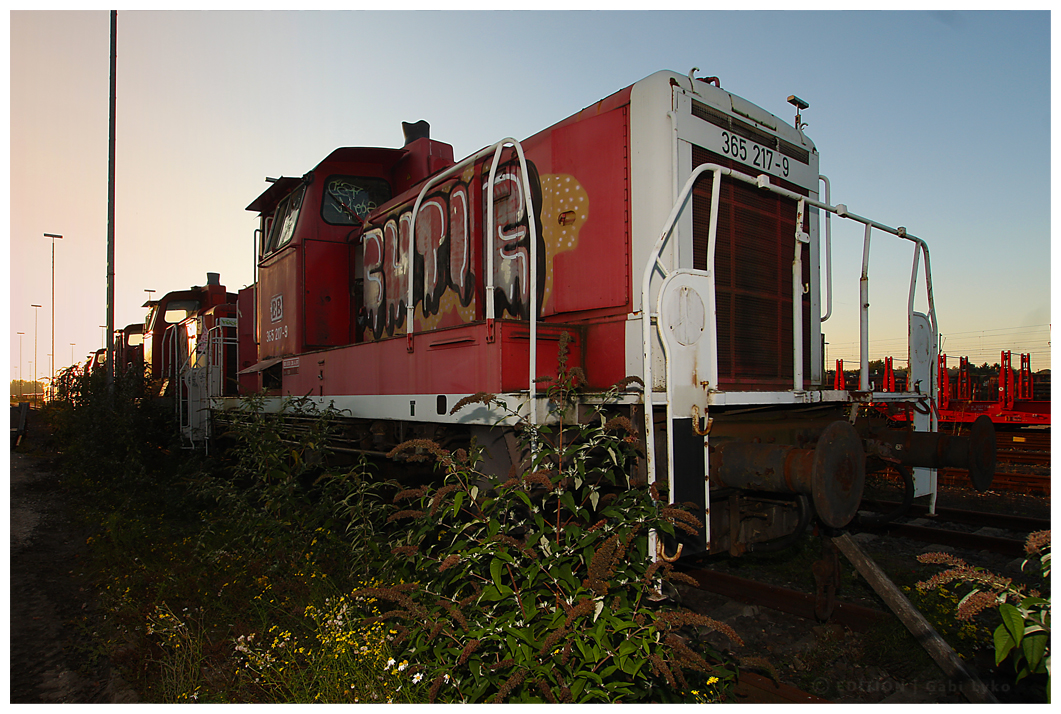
(419, 130)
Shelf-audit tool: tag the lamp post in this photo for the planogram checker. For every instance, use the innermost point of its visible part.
(53, 236)
(20, 365)
(35, 313)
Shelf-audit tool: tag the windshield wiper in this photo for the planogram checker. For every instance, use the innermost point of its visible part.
(346, 209)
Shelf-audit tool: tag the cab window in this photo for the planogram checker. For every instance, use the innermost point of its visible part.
(149, 320)
(284, 220)
(178, 310)
(348, 199)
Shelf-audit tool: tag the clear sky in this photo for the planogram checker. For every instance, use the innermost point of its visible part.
(936, 121)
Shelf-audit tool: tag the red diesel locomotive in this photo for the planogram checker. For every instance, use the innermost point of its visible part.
(672, 230)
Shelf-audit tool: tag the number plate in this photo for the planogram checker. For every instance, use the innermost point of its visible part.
(760, 159)
(748, 152)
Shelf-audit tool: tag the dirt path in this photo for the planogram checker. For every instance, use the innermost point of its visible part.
(51, 607)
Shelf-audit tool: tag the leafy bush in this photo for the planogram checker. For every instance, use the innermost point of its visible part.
(1024, 634)
(541, 587)
(280, 472)
(538, 587)
(111, 430)
(201, 564)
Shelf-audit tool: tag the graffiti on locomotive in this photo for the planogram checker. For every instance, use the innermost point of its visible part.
(443, 253)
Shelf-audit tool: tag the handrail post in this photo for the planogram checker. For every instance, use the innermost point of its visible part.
(651, 265)
(828, 252)
(863, 305)
(797, 300)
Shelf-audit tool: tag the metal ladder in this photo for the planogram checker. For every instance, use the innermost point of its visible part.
(200, 381)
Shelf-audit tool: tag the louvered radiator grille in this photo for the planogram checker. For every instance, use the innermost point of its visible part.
(753, 279)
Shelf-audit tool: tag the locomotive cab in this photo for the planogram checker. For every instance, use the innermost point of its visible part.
(130, 349)
(308, 245)
(163, 315)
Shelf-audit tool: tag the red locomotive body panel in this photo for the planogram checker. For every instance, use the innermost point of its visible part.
(459, 360)
(326, 300)
(129, 347)
(247, 343)
(280, 324)
(584, 164)
(584, 265)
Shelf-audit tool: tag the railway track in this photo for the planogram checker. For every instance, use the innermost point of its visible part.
(988, 540)
(1023, 441)
(973, 518)
(958, 539)
(995, 533)
(756, 689)
(1003, 481)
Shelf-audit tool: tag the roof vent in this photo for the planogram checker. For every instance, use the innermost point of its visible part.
(213, 278)
(419, 130)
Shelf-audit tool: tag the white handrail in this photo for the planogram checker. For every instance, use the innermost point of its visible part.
(863, 315)
(828, 253)
(797, 299)
(489, 286)
(919, 247)
(763, 182)
(646, 285)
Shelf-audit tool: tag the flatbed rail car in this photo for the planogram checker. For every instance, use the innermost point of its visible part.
(959, 401)
(671, 231)
(1015, 405)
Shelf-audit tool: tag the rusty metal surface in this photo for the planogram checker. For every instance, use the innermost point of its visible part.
(975, 452)
(983, 446)
(833, 473)
(776, 468)
(839, 474)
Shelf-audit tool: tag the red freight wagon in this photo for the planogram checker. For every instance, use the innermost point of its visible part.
(671, 231)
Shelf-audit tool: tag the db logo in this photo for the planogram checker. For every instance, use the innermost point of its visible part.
(276, 308)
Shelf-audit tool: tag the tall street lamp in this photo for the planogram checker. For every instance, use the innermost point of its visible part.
(53, 236)
(35, 313)
(20, 365)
